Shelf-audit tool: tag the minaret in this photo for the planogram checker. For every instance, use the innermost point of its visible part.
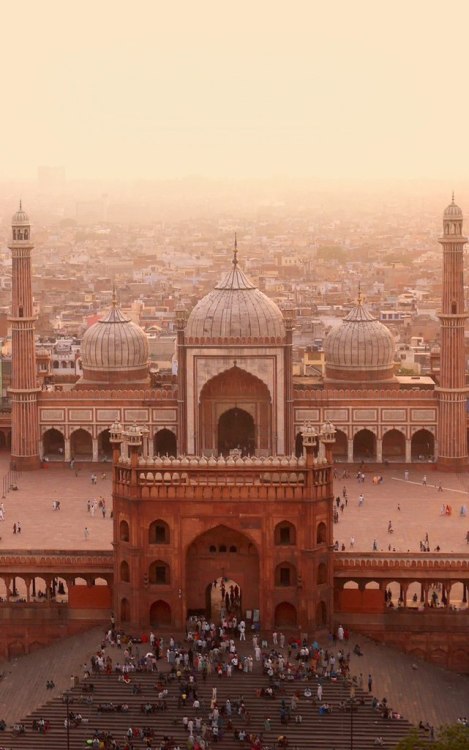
(24, 390)
(452, 390)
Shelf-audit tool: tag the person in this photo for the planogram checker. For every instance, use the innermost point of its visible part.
(439, 487)
(424, 480)
(370, 683)
(361, 500)
(390, 528)
(86, 533)
(406, 475)
(352, 541)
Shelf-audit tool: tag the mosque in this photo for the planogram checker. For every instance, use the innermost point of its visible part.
(224, 473)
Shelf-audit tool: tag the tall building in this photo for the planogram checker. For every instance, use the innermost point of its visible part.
(23, 390)
(452, 390)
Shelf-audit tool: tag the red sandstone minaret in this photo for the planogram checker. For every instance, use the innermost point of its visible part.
(452, 391)
(24, 390)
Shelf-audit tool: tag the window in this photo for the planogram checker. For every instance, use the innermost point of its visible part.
(321, 533)
(125, 572)
(158, 573)
(284, 577)
(285, 574)
(285, 533)
(124, 531)
(158, 533)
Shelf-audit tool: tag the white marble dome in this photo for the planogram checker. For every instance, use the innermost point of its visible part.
(114, 348)
(235, 309)
(361, 348)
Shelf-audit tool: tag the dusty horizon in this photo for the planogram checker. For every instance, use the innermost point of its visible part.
(351, 91)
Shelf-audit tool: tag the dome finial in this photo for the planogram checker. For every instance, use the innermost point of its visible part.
(114, 296)
(359, 296)
(452, 198)
(21, 205)
(235, 251)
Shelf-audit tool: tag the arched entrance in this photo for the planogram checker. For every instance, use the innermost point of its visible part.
(221, 555)
(160, 614)
(364, 446)
(165, 443)
(104, 445)
(340, 447)
(223, 598)
(236, 430)
(53, 443)
(235, 400)
(423, 445)
(81, 445)
(393, 446)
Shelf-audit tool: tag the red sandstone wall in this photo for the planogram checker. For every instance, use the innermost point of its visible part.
(437, 636)
(354, 600)
(89, 597)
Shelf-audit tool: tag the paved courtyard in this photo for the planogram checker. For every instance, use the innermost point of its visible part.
(420, 509)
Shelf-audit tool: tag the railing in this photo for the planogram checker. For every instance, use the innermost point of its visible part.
(358, 563)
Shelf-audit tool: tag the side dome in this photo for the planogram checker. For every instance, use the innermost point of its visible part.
(361, 349)
(235, 309)
(114, 350)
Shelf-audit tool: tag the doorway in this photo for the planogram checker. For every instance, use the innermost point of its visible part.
(236, 430)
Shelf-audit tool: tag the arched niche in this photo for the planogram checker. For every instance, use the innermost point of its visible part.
(364, 446)
(164, 443)
(245, 401)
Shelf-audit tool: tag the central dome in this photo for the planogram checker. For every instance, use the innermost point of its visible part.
(114, 350)
(235, 309)
(360, 349)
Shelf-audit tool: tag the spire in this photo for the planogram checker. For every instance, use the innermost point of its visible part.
(21, 205)
(359, 296)
(235, 251)
(452, 198)
(114, 296)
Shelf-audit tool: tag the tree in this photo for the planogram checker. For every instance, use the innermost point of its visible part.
(452, 737)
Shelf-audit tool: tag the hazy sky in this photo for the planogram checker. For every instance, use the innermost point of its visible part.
(310, 88)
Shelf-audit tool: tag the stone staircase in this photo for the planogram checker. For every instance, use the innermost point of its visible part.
(316, 732)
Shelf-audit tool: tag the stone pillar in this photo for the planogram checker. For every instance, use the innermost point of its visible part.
(95, 449)
(408, 451)
(350, 450)
(379, 450)
(67, 450)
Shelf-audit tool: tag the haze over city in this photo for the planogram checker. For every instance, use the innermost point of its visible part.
(359, 90)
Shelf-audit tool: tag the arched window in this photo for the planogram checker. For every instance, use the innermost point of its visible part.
(158, 533)
(124, 533)
(158, 573)
(125, 572)
(285, 533)
(321, 536)
(321, 576)
(233, 548)
(285, 574)
(212, 548)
